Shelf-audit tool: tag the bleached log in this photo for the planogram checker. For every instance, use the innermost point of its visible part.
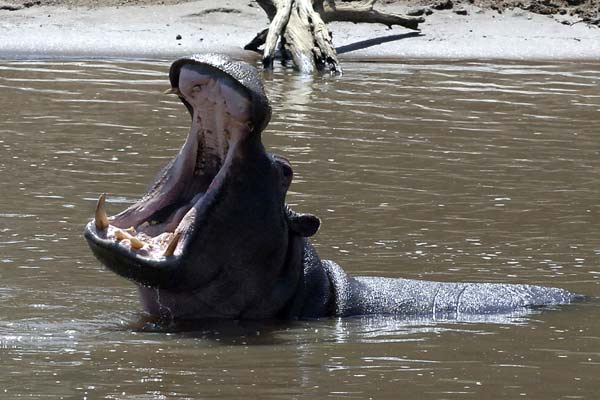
(300, 27)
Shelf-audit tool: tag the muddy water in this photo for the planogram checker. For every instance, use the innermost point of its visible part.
(461, 172)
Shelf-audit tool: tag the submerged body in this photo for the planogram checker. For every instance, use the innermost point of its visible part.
(213, 238)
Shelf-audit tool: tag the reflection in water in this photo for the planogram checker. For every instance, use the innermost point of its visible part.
(397, 329)
(452, 171)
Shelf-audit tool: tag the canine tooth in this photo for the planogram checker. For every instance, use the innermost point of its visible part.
(101, 219)
(170, 250)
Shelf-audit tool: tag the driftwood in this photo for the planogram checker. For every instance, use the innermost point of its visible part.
(299, 26)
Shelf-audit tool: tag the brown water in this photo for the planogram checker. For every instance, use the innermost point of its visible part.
(448, 171)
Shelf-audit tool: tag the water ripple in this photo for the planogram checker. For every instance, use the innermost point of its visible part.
(444, 171)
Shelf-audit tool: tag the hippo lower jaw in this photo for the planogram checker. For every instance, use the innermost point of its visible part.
(146, 241)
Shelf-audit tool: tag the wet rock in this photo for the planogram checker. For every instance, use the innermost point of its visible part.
(178, 37)
(443, 5)
(10, 7)
(16, 7)
(417, 12)
(544, 8)
(497, 9)
(591, 21)
(461, 11)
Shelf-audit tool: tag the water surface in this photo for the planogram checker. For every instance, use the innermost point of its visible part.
(445, 171)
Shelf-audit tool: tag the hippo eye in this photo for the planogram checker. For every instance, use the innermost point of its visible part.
(197, 88)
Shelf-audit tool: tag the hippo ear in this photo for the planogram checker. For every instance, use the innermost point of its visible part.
(304, 224)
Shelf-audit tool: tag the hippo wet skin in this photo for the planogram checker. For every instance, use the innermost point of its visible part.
(213, 238)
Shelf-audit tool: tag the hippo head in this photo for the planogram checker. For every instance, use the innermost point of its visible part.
(212, 236)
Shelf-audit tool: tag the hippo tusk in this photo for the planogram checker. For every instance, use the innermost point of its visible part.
(101, 219)
(170, 250)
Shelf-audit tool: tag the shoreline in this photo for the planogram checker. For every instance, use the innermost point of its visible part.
(167, 31)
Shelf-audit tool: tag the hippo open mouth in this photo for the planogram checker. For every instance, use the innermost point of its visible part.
(208, 188)
(160, 224)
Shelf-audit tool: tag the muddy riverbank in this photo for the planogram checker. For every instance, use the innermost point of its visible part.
(162, 29)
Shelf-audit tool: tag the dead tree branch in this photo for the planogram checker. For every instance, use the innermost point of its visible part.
(364, 12)
(299, 26)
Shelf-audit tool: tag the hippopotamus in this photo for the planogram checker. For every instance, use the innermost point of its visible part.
(212, 237)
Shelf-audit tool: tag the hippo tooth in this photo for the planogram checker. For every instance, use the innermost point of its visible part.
(172, 245)
(101, 219)
(134, 242)
(120, 235)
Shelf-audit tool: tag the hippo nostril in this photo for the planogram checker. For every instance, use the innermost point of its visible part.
(287, 171)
